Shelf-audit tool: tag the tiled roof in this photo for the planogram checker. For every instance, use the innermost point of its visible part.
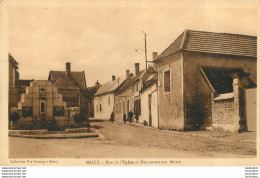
(130, 82)
(214, 43)
(64, 83)
(93, 90)
(78, 76)
(23, 82)
(221, 80)
(150, 71)
(110, 86)
(150, 81)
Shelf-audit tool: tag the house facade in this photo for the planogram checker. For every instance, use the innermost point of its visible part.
(124, 96)
(149, 102)
(72, 86)
(186, 94)
(104, 99)
(132, 97)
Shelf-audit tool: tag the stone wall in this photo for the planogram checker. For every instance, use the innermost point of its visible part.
(223, 114)
(196, 93)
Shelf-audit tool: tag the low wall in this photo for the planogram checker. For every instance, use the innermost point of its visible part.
(223, 114)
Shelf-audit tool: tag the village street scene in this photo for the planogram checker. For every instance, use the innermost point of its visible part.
(195, 97)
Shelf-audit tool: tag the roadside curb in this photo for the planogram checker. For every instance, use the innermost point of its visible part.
(188, 134)
(57, 136)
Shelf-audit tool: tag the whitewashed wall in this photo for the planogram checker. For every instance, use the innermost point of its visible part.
(145, 107)
(106, 107)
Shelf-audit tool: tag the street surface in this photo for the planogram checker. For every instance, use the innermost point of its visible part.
(119, 140)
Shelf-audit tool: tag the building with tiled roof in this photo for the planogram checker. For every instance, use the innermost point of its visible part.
(196, 69)
(128, 96)
(104, 98)
(72, 86)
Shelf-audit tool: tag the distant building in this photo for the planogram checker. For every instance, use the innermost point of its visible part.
(104, 98)
(92, 91)
(72, 86)
(16, 86)
(203, 77)
(128, 96)
(13, 77)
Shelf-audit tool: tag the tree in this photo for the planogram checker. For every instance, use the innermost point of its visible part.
(79, 118)
(14, 117)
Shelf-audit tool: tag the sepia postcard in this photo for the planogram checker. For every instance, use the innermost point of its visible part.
(129, 83)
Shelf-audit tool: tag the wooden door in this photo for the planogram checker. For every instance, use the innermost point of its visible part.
(250, 109)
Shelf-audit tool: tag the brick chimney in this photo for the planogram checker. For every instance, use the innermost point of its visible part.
(127, 76)
(68, 68)
(154, 55)
(97, 83)
(136, 69)
(113, 77)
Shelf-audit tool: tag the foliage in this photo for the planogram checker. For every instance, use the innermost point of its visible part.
(78, 118)
(14, 116)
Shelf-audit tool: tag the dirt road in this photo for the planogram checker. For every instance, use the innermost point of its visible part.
(120, 140)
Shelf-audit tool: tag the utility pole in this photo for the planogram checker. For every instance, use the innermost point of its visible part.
(145, 51)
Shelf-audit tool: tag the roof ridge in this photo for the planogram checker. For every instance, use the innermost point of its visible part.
(184, 40)
(222, 33)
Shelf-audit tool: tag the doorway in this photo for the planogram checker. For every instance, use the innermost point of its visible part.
(150, 109)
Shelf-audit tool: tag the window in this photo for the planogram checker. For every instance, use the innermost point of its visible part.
(27, 111)
(97, 108)
(58, 111)
(166, 81)
(109, 100)
(100, 108)
(42, 107)
(120, 107)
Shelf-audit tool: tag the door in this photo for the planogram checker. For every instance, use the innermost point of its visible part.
(42, 107)
(250, 109)
(150, 109)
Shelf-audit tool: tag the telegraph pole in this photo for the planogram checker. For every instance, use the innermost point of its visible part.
(145, 51)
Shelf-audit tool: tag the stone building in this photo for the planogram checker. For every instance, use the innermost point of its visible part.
(42, 103)
(16, 85)
(104, 98)
(72, 85)
(187, 99)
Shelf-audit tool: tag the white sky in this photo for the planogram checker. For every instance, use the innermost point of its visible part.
(102, 40)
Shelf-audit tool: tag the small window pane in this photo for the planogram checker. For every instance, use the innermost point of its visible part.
(166, 81)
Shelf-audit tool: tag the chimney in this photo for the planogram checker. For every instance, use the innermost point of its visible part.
(97, 83)
(154, 55)
(113, 77)
(127, 74)
(136, 69)
(68, 67)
